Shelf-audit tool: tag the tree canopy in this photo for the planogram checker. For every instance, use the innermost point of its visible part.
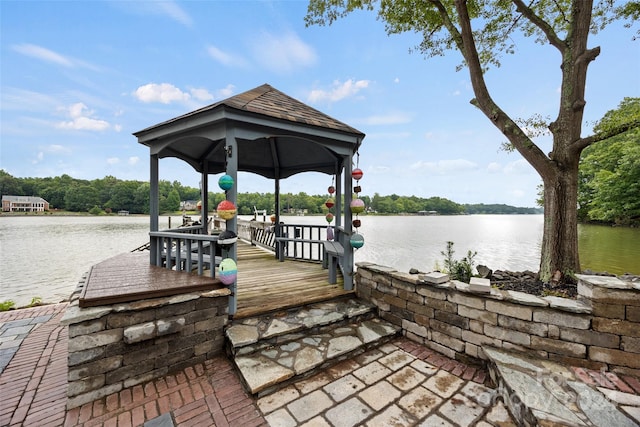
(609, 188)
(484, 30)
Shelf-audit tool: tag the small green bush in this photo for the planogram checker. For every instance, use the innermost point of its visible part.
(7, 305)
(96, 211)
(35, 301)
(458, 269)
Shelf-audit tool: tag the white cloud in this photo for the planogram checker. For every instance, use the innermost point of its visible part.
(113, 160)
(164, 93)
(226, 58)
(282, 53)
(494, 167)
(48, 55)
(173, 11)
(43, 54)
(396, 80)
(166, 8)
(388, 119)
(201, 94)
(133, 160)
(81, 119)
(117, 128)
(39, 158)
(338, 91)
(445, 166)
(56, 148)
(518, 167)
(378, 170)
(226, 92)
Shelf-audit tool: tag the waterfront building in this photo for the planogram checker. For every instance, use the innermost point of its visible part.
(24, 204)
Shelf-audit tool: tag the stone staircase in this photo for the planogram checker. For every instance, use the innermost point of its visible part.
(277, 349)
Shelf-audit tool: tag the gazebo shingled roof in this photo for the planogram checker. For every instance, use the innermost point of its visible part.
(278, 136)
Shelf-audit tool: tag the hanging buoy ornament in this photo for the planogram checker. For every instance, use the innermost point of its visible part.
(330, 234)
(226, 210)
(329, 217)
(329, 203)
(356, 223)
(227, 271)
(357, 206)
(273, 219)
(356, 241)
(225, 182)
(331, 189)
(199, 205)
(356, 174)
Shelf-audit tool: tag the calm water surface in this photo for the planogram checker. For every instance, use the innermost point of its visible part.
(46, 256)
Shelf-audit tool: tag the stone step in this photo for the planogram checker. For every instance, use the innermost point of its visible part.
(245, 336)
(544, 393)
(271, 368)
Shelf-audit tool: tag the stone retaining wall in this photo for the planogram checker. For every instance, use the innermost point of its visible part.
(600, 329)
(122, 345)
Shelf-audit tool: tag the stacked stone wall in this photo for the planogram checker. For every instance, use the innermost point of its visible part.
(122, 345)
(599, 330)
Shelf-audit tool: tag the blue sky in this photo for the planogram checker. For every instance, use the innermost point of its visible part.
(78, 77)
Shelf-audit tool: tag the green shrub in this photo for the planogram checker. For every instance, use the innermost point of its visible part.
(35, 301)
(458, 269)
(7, 305)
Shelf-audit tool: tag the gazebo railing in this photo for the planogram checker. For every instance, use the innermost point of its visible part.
(185, 249)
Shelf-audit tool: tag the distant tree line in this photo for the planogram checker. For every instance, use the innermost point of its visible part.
(111, 194)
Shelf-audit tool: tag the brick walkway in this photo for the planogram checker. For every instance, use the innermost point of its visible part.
(400, 382)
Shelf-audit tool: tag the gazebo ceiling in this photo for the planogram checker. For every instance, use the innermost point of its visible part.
(276, 136)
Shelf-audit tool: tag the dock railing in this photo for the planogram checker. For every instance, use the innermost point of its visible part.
(185, 249)
(302, 242)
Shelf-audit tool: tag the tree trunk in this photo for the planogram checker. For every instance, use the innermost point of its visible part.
(559, 255)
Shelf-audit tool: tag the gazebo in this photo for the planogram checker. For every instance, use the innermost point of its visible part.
(261, 131)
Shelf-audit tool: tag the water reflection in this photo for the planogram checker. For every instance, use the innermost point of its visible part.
(612, 249)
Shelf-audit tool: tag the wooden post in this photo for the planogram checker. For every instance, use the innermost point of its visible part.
(347, 262)
(204, 196)
(154, 205)
(231, 148)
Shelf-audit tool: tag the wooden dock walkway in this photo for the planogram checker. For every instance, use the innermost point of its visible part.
(265, 284)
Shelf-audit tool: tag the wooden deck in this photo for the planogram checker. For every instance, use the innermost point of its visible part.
(265, 284)
(130, 277)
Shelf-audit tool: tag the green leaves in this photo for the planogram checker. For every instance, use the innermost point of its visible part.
(609, 182)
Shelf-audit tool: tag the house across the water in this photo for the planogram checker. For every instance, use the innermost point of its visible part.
(24, 204)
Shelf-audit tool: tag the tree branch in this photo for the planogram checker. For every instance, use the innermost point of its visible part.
(548, 31)
(583, 143)
(485, 103)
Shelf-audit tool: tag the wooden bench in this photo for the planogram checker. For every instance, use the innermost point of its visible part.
(333, 252)
(181, 257)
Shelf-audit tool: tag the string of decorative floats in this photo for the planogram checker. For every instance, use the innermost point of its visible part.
(356, 206)
(228, 269)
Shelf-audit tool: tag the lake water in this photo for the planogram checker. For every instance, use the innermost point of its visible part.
(46, 256)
